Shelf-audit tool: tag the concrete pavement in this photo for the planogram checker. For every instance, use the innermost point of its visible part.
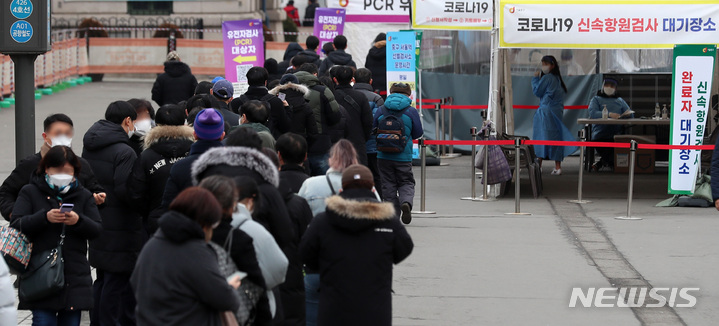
(473, 265)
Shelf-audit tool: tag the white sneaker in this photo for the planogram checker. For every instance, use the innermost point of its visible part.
(556, 172)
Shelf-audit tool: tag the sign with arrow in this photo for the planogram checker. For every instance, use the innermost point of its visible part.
(244, 48)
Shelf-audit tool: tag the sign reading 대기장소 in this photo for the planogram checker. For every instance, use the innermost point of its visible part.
(691, 93)
(607, 24)
(244, 48)
(452, 15)
(329, 22)
(374, 11)
(401, 63)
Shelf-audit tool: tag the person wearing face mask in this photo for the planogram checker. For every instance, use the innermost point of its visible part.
(177, 279)
(548, 85)
(145, 121)
(113, 254)
(572, 67)
(37, 214)
(616, 106)
(57, 130)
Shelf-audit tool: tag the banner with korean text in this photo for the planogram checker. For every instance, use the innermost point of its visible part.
(401, 62)
(329, 22)
(374, 11)
(635, 24)
(691, 93)
(452, 15)
(243, 48)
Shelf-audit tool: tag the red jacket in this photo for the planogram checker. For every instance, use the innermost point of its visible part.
(293, 14)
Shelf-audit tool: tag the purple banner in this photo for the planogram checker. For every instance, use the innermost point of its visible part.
(329, 22)
(244, 48)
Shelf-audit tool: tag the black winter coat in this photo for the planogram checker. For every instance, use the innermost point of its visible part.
(164, 146)
(340, 130)
(354, 245)
(292, 50)
(30, 217)
(280, 118)
(293, 290)
(177, 280)
(175, 85)
(106, 149)
(376, 62)
(310, 15)
(302, 121)
(22, 174)
(292, 177)
(359, 119)
(314, 57)
(180, 177)
(336, 58)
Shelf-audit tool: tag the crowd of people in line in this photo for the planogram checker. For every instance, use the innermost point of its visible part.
(280, 206)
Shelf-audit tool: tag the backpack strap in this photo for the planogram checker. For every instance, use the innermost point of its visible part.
(349, 100)
(327, 176)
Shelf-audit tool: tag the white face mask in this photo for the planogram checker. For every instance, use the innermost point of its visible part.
(60, 180)
(142, 127)
(609, 91)
(61, 140)
(545, 69)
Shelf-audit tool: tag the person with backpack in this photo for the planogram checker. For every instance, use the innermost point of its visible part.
(338, 57)
(359, 113)
(364, 84)
(396, 124)
(327, 113)
(280, 120)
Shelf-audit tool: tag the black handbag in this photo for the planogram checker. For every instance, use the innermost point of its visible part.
(45, 275)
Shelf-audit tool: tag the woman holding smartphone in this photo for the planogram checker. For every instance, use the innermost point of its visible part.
(52, 203)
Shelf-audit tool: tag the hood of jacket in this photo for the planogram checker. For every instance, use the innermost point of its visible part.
(249, 158)
(311, 54)
(397, 102)
(291, 87)
(379, 53)
(166, 140)
(179, 228)
(295, 95)
(39, 181)
(292, 50)
(307, 78)
(363, 87)
(256, 126)
(177, 68)
(104, 133)
(357, 210)
(340, 57)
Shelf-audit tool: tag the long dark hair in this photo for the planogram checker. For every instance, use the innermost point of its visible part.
(555, 71)
(57, 157)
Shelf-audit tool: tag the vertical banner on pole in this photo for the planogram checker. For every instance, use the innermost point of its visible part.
(691, 93)
(244, 48)
(329, 22)
(401, 62)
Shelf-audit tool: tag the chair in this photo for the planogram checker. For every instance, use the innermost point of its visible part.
(527, 159)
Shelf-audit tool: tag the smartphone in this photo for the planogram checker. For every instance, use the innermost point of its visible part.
(281, 96)
(242, 275)
(66, 207)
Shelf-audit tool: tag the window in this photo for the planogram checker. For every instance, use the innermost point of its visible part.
(149, 7)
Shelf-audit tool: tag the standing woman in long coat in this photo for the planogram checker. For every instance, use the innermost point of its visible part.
(548, 85)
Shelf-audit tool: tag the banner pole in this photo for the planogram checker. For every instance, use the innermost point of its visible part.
(485, 169)
(580, 185)
(473, 131)
(517, 211)
(423, 177)
(630, 194)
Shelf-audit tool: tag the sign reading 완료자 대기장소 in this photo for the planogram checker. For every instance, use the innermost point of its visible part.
(243, 48)
(329, 22)
(691, 94)
(607, 24)
(374, 11)
(452, 15)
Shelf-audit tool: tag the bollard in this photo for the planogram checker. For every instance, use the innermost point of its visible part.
(630, 195)
(517, 211)
(485, 180)
(473, 131)
(579, 199)
(423, 177)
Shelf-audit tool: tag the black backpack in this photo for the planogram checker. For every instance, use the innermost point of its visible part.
(390, 132)
(264, 99)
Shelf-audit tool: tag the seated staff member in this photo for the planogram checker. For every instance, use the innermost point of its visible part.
(616, 106)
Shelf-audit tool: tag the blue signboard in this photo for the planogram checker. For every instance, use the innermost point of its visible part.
(401, 60)
(21, 9)
(21, 31)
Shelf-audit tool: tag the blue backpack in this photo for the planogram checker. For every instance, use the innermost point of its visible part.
(390, 132)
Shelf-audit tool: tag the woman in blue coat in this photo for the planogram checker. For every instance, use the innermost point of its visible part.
(548, 85)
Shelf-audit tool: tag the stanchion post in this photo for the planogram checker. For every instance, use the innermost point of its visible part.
(580, 184)
(517, 211)
(630, 194)
(437, 126)
(443, 148)
(473, 131)
(485, 169)
(423, 177)
(449, 150)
